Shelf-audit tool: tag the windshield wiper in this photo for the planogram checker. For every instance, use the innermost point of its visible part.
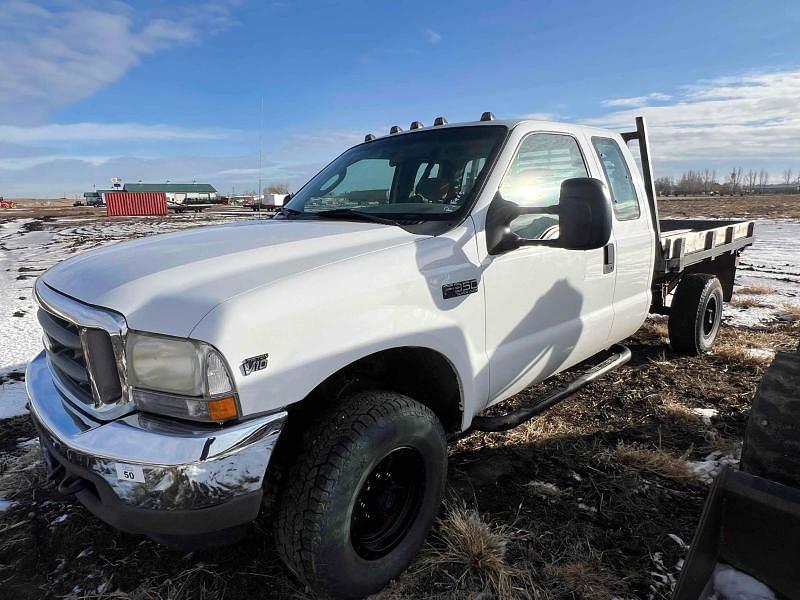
(349, 213)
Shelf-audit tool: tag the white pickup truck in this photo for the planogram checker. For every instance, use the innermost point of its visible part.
(419, 278)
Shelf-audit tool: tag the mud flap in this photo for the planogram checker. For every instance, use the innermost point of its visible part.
(752, 524)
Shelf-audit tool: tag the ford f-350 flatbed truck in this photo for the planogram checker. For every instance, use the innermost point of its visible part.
(419, 278)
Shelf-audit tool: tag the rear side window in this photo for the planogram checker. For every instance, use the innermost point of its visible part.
(615, 167)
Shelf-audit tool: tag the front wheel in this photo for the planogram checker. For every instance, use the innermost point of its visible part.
(360, 500)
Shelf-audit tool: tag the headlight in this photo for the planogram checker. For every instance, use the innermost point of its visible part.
(179, 378)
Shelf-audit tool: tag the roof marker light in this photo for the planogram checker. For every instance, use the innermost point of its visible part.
(440, 121)
(395, 129)
(416, 125)
(369, 137)
(487, 116)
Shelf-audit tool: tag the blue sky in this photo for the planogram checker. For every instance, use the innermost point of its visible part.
(158, 90)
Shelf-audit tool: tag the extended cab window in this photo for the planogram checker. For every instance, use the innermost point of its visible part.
(623, 192)
(542, 162)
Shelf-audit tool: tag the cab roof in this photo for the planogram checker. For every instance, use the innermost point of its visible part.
(508, 123)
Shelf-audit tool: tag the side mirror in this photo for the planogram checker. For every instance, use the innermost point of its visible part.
(584, 215)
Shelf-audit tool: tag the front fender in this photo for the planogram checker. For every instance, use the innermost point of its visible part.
(318, 322)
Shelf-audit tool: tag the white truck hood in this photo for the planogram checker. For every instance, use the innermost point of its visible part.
(168, 283)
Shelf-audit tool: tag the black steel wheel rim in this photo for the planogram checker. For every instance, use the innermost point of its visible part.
(387, 503)
(710, 317)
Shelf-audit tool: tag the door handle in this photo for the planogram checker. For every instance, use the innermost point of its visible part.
(609, 258)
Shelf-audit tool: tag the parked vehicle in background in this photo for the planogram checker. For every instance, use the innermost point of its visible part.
(270, 202)
(417, 280)
(6, 203)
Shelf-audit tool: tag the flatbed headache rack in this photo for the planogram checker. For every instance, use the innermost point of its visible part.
(686, 245)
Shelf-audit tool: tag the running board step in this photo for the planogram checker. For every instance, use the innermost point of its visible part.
(619, 356)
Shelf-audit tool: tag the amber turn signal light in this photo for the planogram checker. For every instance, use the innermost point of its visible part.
(222, 409)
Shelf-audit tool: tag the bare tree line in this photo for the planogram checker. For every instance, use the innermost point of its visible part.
(737, 181)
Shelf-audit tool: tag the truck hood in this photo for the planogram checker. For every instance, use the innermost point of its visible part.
(167, 283)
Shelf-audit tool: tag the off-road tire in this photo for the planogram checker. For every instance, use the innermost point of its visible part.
(772, 436)
(317, 500)
(689, 330)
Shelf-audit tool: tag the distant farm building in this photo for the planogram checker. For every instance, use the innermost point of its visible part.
(178, 193)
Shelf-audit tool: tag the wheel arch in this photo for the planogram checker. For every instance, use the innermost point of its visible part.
(424, 374)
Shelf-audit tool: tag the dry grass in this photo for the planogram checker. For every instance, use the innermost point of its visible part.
(582, 576)
(657, 328)
(20, 473)
(674, 407)
(749, 347)
(197, 583)
(747, 302)
(756, 290)
(792, 311)
(652, 460)
(477, 548)
(757, 357)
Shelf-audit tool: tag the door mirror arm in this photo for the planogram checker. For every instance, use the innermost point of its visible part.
(584, 210)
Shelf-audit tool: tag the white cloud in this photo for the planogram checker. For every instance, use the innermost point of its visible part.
(105, 132)
(637, 100)
(432, 37)
(748, 120)
(53, 57)
(21, 163)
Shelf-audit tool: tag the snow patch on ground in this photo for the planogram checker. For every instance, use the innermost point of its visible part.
(13, 399)
(761, 353)
(728, 583)
(544, 489)
(678, 540)
(28, 247)
(664, 579)
(706, 414)
(59, 519)
(711, 465)
(5, 505)
(772, 261)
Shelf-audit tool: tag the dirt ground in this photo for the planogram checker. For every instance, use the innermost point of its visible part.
(770, 206)
(595, 499)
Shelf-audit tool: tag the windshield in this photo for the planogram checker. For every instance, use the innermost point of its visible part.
(427, 175)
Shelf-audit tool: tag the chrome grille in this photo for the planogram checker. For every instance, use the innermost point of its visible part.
(83, 357)
(62, 340)
(85, 351)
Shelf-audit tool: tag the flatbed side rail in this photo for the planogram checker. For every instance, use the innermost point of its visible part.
(724, 237)
(641, 136)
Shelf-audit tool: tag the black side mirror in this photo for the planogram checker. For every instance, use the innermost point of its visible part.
(584, 215)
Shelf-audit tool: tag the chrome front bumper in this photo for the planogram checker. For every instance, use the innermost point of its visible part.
(188, 470)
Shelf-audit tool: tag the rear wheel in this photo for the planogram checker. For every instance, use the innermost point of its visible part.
(360, 500)
(695, 314)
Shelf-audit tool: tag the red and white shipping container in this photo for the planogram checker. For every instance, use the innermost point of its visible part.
(135, 203)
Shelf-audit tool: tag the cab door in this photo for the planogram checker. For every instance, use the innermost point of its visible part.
(634, 237)
(546, 308)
